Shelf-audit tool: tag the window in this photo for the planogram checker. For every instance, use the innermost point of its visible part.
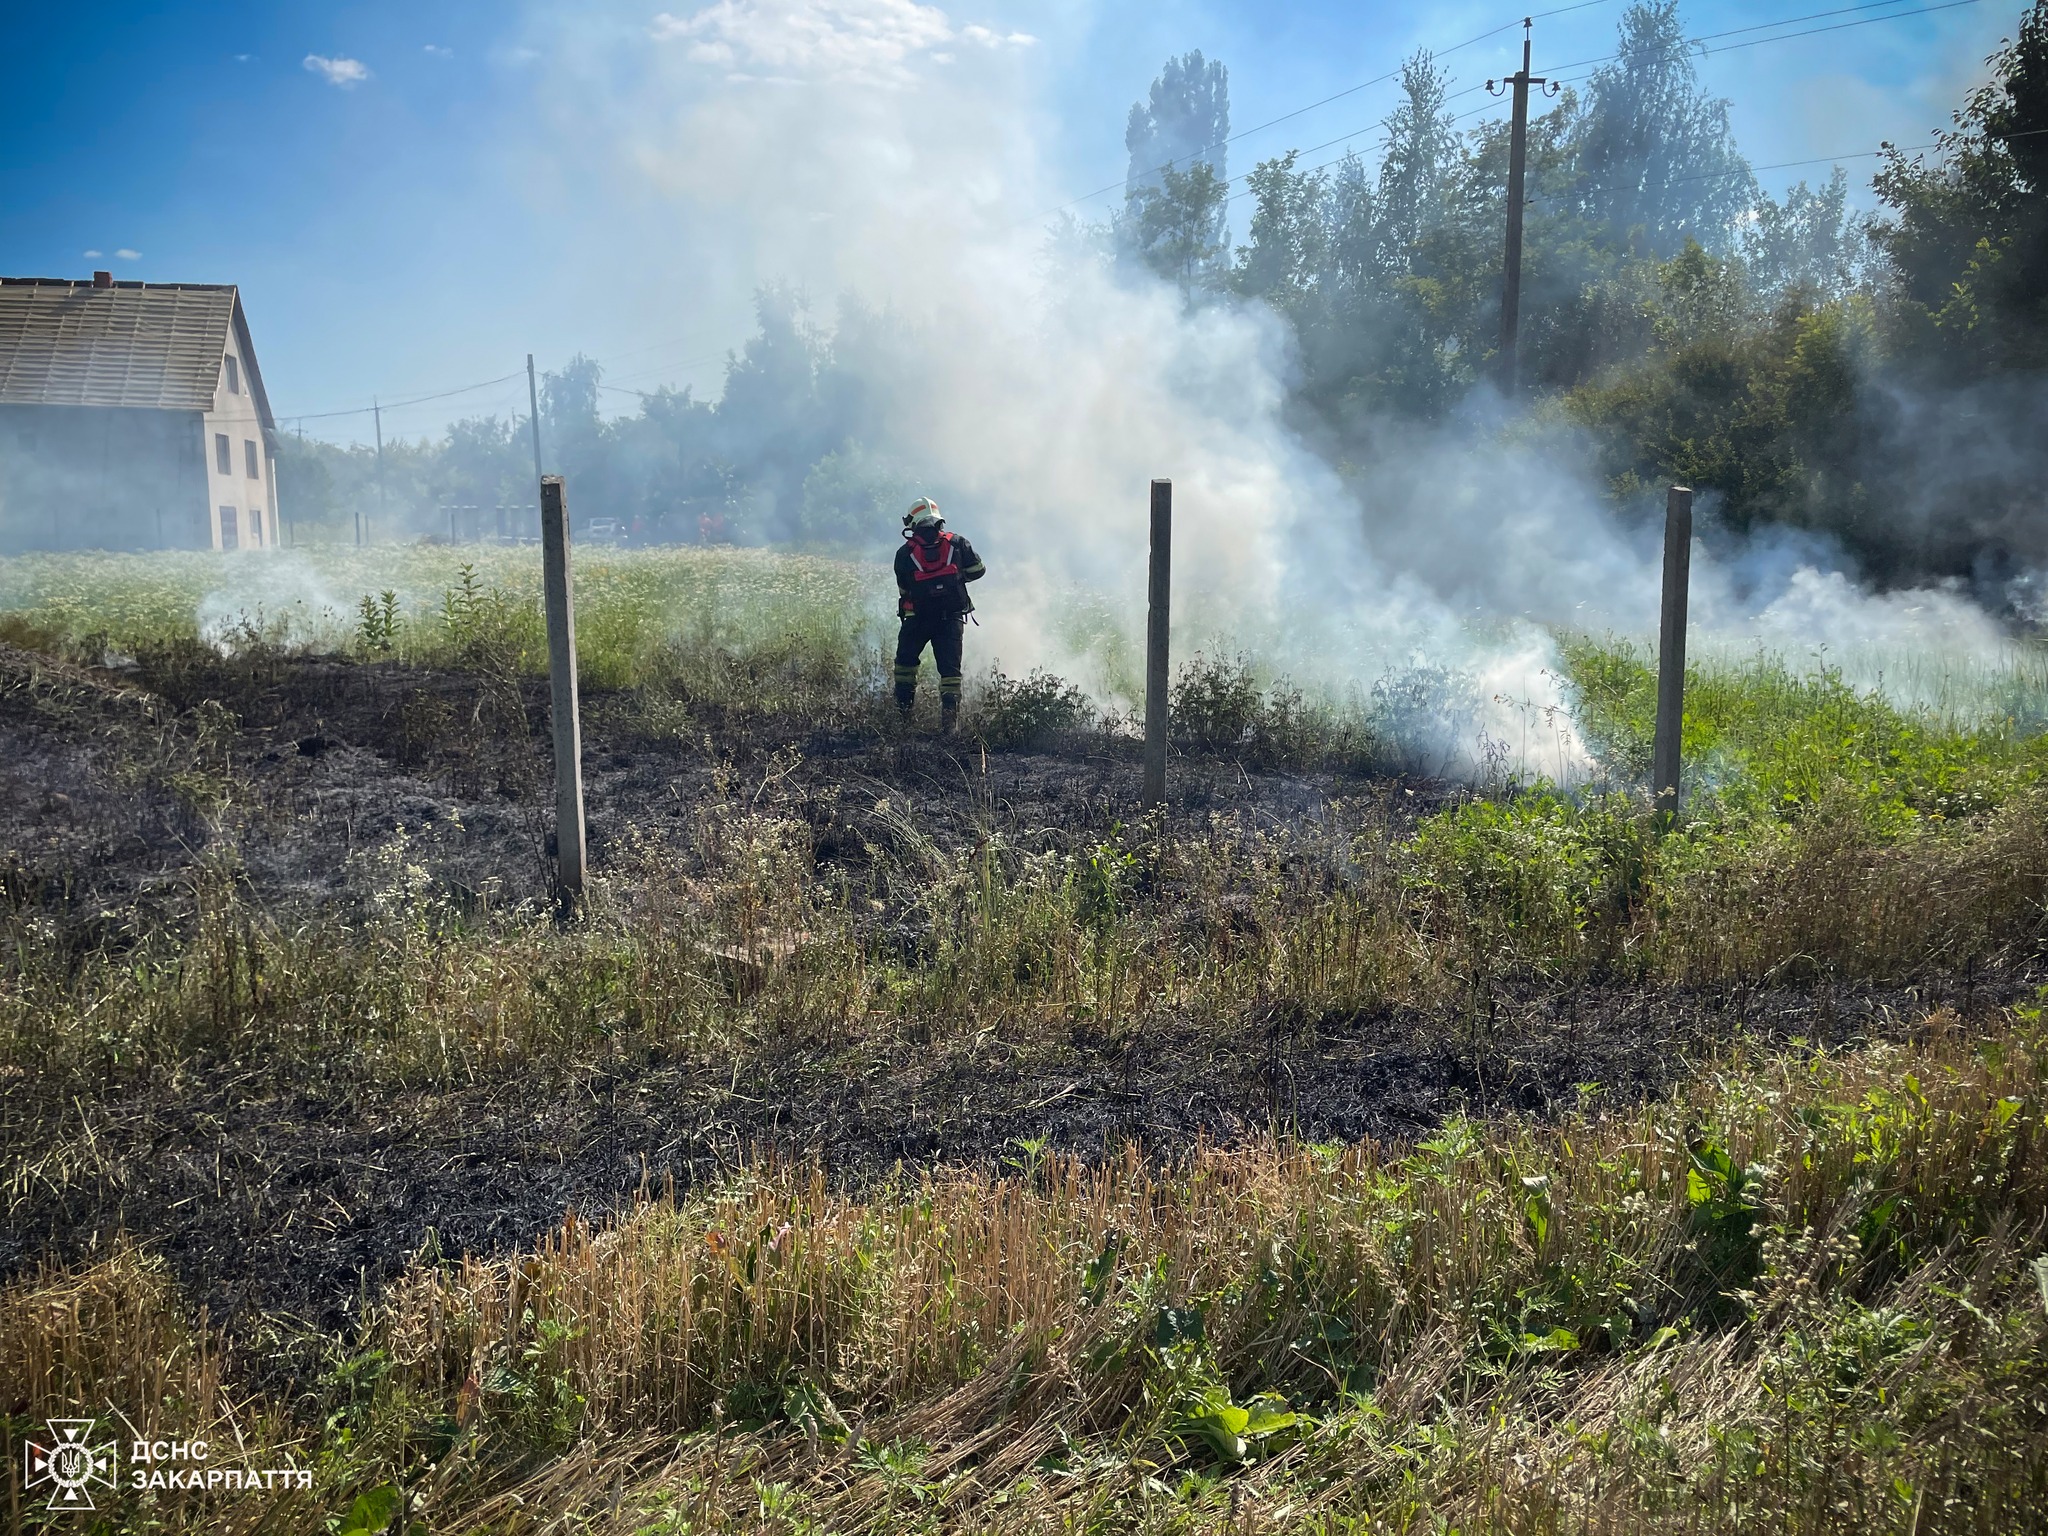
(223, 453)
(228, 537)
(255, 527)
(249, 455)
(234, 376)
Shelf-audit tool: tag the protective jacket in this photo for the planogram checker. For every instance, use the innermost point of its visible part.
(932, 572)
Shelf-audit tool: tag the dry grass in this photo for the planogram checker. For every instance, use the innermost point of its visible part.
(1802, 1297)
(1803, 1294)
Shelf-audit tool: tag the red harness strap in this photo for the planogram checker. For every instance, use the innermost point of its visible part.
(941, 562)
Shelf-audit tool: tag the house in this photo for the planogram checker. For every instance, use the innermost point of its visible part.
(132, 416)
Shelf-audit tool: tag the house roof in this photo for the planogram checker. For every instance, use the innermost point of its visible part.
(132, 344)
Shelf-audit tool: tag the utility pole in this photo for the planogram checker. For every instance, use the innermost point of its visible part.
(533, 400)
(377, 414)
(1518, 161)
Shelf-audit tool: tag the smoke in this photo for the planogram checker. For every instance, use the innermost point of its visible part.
(277, 596)
(890, 150)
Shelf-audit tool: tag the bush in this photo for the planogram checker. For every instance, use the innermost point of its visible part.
(1217, 705)
(1538, 883)
(1027, 712)
(1422, 716)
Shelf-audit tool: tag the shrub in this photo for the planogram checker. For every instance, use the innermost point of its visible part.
(1215, 702)
(1027, 712)
(1217, 705)
(1422, 715)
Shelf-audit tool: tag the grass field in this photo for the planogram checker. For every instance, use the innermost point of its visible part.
(1704, 1276)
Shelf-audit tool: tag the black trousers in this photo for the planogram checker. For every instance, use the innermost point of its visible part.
(945, 636)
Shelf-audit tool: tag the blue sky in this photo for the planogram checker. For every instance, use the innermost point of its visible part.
(413, 197)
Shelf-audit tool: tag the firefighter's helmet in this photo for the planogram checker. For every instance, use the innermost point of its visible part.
(923, 513)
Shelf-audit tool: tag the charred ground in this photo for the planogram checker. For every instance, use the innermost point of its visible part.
(279, 1187)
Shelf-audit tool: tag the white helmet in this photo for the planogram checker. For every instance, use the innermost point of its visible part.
(923, 513)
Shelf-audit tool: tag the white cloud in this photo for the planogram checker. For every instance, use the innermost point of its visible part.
(93, 255)
(863, 41)
(988, 38)
(244, 58)
(438, 51)
(127, 255)
(345, 73)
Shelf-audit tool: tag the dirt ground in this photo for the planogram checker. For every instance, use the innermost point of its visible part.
(290, 1199)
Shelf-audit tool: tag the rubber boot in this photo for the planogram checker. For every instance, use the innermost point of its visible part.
(949, 720)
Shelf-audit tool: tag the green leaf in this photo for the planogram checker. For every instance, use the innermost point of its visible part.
(370, 1513)
(807, 1408)
(1554, 1342)
(1537, 1206)
(1178, 1325)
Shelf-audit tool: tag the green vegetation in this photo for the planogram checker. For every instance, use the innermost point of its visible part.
(1798, 364)
(1803, 1295)
(1827, 832)
(437, 606)
(1803, 1289)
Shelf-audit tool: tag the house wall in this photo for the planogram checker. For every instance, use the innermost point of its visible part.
(101, 477)
(234, 417)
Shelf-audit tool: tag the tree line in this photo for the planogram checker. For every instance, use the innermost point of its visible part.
(1872, 379)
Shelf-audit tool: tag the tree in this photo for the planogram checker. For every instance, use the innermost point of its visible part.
(1657, 163)
(1967, 240)
(1806, 241)
(305, 487)
(1184, 123)
(1187, 118)
(770, 425)
(1290, 247)
(853, 500)
(1177, 227)
(484, 464)
(1419, 162)
(571, 430)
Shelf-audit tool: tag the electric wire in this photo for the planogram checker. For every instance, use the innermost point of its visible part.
(300, 418)
(396, 405)
(1244, 133)
(1486, 107)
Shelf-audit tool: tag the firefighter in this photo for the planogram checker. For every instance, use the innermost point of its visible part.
(932, 571)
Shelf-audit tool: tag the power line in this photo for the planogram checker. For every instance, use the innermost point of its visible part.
(1324, 102)
(688, 362)
(1860, 154)
(1786, 37)
(1789, 21)
(1949, 5)
(1839, 26)
(1481, 37)
(1609, 58)
(1783, 37)
(1891, 15)
(397, 404)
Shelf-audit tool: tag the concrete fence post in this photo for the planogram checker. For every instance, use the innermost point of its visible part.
(568, 731)
(1158, 605)
(1664, 754)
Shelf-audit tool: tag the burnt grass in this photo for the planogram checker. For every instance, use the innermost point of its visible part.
(290, 1194)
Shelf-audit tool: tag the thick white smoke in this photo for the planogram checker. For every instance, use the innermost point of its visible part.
(887, 149)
